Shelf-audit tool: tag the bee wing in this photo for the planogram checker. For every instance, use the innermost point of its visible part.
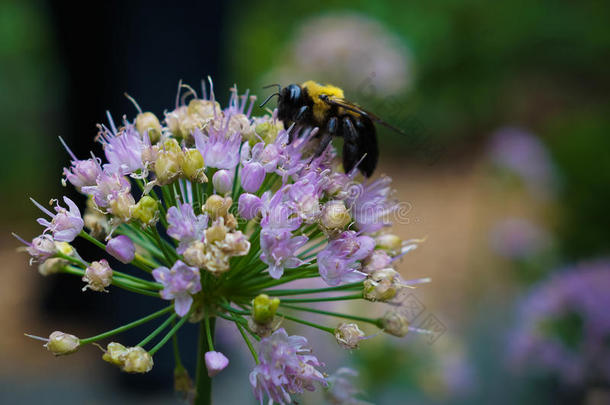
(341, 102)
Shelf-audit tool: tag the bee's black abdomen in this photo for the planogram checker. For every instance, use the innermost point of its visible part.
(367, 145)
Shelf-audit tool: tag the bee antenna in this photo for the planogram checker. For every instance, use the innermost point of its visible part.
(279, 87)
(268, 98)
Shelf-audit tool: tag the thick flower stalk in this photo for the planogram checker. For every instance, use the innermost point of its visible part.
(217, 212)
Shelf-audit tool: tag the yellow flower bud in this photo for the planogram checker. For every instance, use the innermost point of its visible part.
(137, 360)
(148, 123)
(264, 308)
(217, 206)
(61, 343)
(167, 167)
(216, 232)
(114, 352)
(193, 166)
(382, 285)
(146, 210)
(121, 206)
(204, 108)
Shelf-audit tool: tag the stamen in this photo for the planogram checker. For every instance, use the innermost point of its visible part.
(36, 337)
(134, 102)
(43, 209)
(67, 149)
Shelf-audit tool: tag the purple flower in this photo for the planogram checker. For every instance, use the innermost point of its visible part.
(121, 248)
(249, 206)
(179, 284)
(575, 301)
(184, 226)
(41, 248)
(371, 205)
(265, 155)
(82, 172)
(286, 367)
(108, 187)
(304, 196)
(276, 213)
(215, 362)
(278, 250)
(217, 149)
(65, 225)
(339, 263)
(123, 150)
(252, 176)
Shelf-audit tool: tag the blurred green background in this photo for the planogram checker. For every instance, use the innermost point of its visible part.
(452, 74)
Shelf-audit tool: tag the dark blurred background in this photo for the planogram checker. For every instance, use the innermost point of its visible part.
(506, 167)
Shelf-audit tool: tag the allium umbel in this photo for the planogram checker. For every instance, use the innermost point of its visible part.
(216, 212)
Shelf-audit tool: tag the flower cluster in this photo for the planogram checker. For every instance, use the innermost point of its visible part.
(565, 328)
(216, 209)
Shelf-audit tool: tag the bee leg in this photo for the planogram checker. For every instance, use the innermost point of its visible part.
(296, 120)
(300, 114)
(327, 136)
(350, 145)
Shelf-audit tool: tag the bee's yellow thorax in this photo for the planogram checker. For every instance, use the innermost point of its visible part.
(314, 89)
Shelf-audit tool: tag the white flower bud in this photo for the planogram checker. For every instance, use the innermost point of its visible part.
(61, 343)
(395, 324)
(335, 215)
(382, 285)
(51, 266)
(98, 276)
(348, 335)
(389, 242)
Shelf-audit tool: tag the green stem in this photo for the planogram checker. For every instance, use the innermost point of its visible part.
(314, 325)
(335, 314)
(323, 299)
(203, 383)
(243, 334)
(158, 330)
(127, 327)
(171, 333)
(208, 332)
(356, 285)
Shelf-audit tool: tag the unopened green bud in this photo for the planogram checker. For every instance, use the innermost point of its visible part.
(61, 343)
(193, 166)
(146, 210)
(148, 123)
(264, 308)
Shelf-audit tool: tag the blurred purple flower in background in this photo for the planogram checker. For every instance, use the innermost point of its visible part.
(350, 49)
(518, 238)
(564, 325)
(520, 152)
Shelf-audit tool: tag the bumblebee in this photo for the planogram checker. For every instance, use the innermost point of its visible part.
(312, 104)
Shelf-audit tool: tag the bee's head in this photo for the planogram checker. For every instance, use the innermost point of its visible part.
(290, 99)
